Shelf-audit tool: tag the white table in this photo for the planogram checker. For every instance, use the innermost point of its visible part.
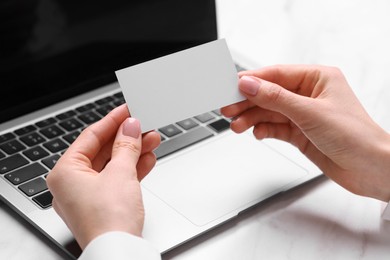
(319, 220)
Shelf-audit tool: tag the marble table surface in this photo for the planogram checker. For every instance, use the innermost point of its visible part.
(319, 220)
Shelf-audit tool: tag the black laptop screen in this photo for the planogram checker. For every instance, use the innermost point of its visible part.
(51, 50)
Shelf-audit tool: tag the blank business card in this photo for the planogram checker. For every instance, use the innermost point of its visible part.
(181, 85)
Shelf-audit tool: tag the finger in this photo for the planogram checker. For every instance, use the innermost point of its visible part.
(300, 79)
(273, 97)
(103, 156)
(285, 132)
(126, 148)
(237, 108)
(255, 116)
(94, 137)
(145, 164)
(150, 141)
(291, 134)
(278, 131)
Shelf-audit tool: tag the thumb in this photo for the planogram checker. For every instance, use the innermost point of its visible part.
(127, 146)
(273, 97)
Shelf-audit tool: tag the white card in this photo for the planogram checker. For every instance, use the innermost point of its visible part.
(181, 85)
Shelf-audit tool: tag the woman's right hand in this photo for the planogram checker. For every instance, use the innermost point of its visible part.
(314, 108)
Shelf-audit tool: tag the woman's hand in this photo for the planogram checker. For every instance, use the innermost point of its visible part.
(314, 108)
(95, 184)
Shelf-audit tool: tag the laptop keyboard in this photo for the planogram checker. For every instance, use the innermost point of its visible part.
(29, 153)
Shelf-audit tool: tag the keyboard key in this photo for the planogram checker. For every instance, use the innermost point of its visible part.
(71, 124)
(6, 137)
(89, 117)
(204, 117)
(71, 137)
(11, 163)
(182, 141)
(44, 200)
(36, 153)
(2, 155)
(32, 139)
(220, 125)
(33, 187)
(105, 110)
(170, 130)
(26, 173)
(66, 115)
(51, 161)
(119, 102)
(25, 130)
(52, 131)
(103, 101)
(46, 122)
(118, 95)
(55, 145)
(187, 124)
(12, 147)
(86, 107)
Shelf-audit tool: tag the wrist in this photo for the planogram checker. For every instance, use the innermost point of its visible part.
(381, 173)
(92, 232)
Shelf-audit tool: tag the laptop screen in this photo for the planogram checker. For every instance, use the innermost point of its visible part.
(52, 50)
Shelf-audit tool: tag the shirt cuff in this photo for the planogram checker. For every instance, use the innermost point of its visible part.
(119, 245)
(386, 212)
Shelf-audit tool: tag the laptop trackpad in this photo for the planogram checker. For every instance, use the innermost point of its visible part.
(221, 177)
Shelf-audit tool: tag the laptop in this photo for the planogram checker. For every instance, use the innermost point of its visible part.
(57, 65)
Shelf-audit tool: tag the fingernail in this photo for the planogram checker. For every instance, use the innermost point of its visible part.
(249, 85)
(131, 128)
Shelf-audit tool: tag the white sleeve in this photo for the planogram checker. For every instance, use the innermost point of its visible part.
(118, 246)
(386, 212)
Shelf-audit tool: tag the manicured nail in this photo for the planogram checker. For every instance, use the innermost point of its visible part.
(132, 127)
(249, 85)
